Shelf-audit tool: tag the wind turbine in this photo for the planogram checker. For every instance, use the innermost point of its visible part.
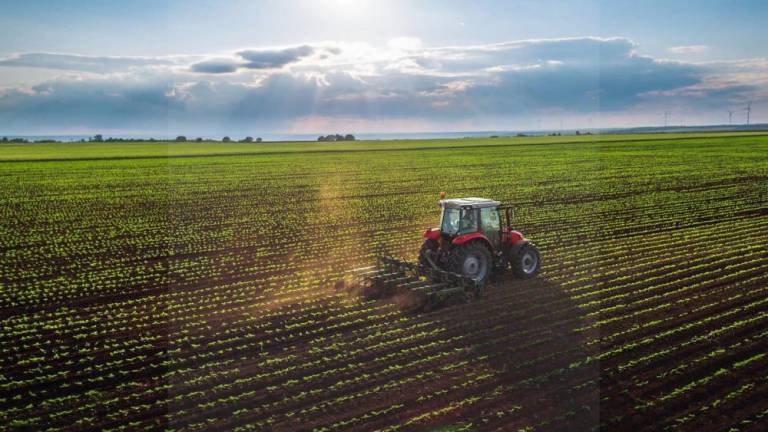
(748, 109)
(666, 118)
(730, 117)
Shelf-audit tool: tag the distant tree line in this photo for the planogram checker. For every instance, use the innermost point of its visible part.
(180, 138)
(100, 138)
(248, 139)
(336, 137)
(14, 140)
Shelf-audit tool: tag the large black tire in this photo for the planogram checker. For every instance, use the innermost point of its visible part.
(525, 260)
(428, 247)
(472, 260)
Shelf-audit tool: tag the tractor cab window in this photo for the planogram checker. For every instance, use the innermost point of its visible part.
(489, 219)
(458, 221)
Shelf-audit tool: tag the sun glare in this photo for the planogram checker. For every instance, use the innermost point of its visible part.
(346, 9)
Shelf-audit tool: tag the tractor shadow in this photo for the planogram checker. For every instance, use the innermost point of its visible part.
(530, 336)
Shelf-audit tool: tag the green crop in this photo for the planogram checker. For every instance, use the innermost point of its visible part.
(195, 286)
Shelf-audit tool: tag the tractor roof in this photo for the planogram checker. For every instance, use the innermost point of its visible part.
(469, 202)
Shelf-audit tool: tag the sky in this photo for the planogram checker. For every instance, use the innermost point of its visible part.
(364, 66)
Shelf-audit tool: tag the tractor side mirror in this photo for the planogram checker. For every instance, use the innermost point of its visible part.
(510, 215)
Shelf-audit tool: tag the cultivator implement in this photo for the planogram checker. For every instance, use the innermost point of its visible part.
(418, 286)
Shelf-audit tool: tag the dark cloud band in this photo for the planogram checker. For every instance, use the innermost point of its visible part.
(81, 63)
(215, 66)
(272, 59)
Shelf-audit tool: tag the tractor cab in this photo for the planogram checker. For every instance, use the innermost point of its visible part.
(465, 216)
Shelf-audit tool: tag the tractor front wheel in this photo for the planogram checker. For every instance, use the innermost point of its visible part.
(525, 260)
(472, 260)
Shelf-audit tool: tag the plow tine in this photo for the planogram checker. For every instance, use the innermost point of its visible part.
(415, 284)
(430, 288)
(388, 273)
(402, 280)
(360, 270)
(370, 274)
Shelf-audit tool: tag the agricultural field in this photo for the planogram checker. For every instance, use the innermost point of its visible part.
(195, 287)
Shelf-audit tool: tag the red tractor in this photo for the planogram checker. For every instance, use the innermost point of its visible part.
(456, 258)
(472, 241)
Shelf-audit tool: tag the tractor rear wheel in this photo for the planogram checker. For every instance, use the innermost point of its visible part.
(472, 260)
(428, 249)
(525, 260)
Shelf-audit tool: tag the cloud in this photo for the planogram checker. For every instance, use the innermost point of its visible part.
(405, 43)
(117, 103)
(272, 59)
(80, 63)
(503, 85)
(581, 52)
(689, 49)
(215, 66)
(263, 59)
